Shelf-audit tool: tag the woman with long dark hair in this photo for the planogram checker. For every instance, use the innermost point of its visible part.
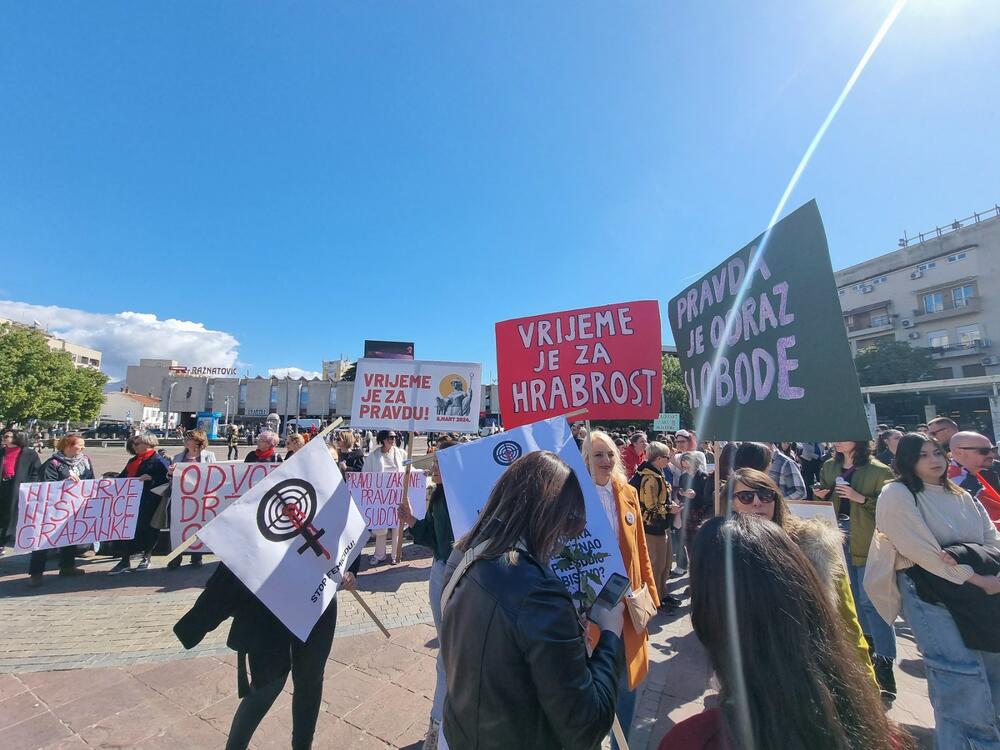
(788, 677)
(917, 516)
(852, 480)
(514, 651)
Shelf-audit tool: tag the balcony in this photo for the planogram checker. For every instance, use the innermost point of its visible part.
(873, 327)
(949, 351)
(951, 308)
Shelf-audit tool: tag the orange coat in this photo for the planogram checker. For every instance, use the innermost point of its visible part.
(632, 542)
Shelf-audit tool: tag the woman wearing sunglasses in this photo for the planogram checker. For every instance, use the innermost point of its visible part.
(754, 493)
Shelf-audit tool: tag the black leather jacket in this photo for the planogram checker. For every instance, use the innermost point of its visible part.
(516, 663)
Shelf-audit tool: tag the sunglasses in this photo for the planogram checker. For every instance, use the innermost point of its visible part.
(747, 496)
(980, 451)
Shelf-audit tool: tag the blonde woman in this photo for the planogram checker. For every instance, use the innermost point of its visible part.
(293, 443)
(621, 503)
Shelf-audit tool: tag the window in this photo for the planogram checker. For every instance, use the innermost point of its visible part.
(881, 319)
(956, 257)
(969, 335)
(971, 371)
(303, 397)
(943, 373)
(333, 399)
(933, 302)
(961, 295)
(243, 394)
(927, 266)
(274, 398)
(937, 338)
(211, 392)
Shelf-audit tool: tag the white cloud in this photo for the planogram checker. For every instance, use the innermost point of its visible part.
(292, 372)
(125, 337)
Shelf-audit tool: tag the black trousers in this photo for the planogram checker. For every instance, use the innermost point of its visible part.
(36, 563)
(810, 475)
(268, 673)
(232, 453)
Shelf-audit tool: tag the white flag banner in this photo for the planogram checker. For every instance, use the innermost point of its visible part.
(292, 536)
(471, 470)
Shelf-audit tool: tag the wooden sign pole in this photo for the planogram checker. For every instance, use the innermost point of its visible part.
(717, 449)
(397, 553)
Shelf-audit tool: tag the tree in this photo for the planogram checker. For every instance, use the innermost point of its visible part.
(675, 390)
(39, 383)
(893, 362)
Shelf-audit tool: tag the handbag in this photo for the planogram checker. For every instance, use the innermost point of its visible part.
(641, 608)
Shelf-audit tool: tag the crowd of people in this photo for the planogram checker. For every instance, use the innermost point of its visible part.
(797, 615)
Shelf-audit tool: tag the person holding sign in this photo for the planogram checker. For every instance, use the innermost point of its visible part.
(68, 463)
(387, 457)
(621, 504)
(755, 492)
(18, 463)
(514, 651)
(434, 531)
(148, 466)
(195, 451)
(789, 679)
(271, 650)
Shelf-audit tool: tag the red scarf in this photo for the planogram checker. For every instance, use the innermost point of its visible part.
(132, 467)
(264, 455)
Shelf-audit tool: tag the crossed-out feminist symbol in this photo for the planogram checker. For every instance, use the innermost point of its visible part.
(286, 511)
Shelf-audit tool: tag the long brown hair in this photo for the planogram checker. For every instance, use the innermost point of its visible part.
(789, 677)
(537, 502)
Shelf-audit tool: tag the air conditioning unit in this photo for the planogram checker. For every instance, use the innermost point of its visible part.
(913, 335)
(867, 288)
(906, 323)
(987, 361)
(916, 274)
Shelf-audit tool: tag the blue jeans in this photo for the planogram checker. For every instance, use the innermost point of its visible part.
(680, 553)
(624, 709)
(436, 588)
(964, 685)
(881, 632)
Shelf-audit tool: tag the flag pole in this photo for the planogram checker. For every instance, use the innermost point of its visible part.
(180, 548)
(397, 553)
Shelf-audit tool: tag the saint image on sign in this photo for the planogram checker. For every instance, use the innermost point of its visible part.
(457, 401)
(286, 511)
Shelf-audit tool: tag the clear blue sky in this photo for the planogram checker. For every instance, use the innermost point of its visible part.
(307, 175)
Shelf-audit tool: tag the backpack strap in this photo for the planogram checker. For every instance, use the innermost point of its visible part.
(470, 556)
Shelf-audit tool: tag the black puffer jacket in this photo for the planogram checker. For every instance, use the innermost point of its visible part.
(516, 663)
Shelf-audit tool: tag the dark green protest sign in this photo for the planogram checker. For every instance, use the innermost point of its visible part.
(762, 343)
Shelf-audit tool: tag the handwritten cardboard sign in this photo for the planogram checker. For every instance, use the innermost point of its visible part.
(378, 494)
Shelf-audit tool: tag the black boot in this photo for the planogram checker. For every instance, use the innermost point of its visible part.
(886, 678)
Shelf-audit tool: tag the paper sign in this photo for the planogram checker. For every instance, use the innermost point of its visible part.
(762, 343)
(606, 359)
(470, 471)
(379, 493)
(667, 422)
(199, 492)
(292, 536)
(393, 394)
(61, 514)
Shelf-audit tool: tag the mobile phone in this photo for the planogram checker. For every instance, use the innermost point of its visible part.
(841, 480)
(613, 591)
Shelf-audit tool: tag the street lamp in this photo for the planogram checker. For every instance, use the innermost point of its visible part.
(166, 414)
(227, 409)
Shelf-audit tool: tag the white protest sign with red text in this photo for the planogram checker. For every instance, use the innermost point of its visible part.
(378, 494)
(60, 514)
(605, 359)
(394, 394)
(201, 491)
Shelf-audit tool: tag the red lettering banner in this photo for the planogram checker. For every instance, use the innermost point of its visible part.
(605, 359)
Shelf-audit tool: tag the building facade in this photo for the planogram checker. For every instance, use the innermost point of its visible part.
(248, 401)
(82, 356)
(939, 291)
(131, 408)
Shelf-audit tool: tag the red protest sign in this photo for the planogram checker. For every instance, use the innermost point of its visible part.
(605, 359)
